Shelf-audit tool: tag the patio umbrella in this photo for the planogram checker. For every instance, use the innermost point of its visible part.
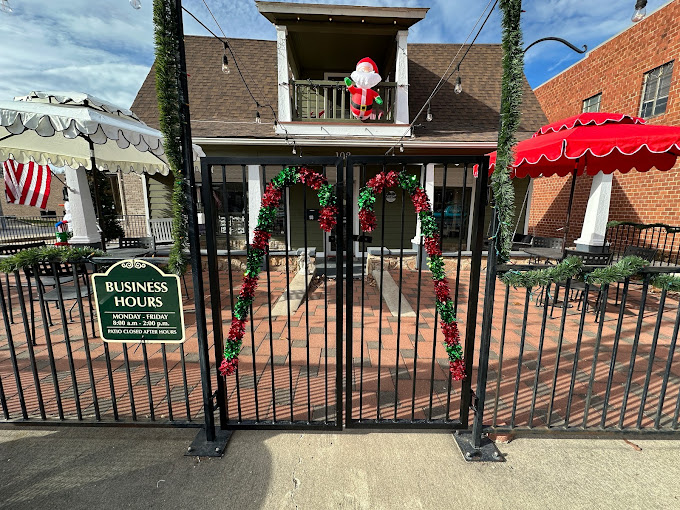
(592, 143)
(75, 129)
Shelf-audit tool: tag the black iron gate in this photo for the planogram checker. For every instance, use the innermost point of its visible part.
(365, 310)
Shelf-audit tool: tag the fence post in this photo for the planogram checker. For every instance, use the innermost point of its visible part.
(473, 446)
(207, 442)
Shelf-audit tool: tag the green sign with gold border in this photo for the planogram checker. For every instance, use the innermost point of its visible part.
(137, 302)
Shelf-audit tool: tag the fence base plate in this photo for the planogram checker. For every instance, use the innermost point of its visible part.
(200, 447)
(487, 453)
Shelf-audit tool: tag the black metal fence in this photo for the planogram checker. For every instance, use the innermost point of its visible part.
(601, 365)
(54, 367)
(21, 229)
(663, 240)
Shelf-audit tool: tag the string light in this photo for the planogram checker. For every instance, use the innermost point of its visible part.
(458, 87)
(225, 61)
(258, 119)
(401, 147)
(136, 4)
(428, 117)
(640, 11)
(294, 148)
(5, 7)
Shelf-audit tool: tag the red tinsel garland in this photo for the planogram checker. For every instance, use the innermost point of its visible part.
(272, 196)
(228, 367)
(261, 239)
(441, 290)
(327, 218)
(457, 369)
(432, 246)
(367, 220)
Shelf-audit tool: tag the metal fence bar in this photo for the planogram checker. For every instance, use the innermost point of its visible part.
(652, 353)
(15, 366)
(667, 370)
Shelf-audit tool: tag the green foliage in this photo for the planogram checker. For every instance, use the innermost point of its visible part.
(254, 262)
(242, 306)
(31, 256)
(167, 67)
(511, 102)
(107, 213)
(568, 268)
(624, 268)
(455, 351)
(266, 218)
(232, 348)
(667, 281)
(644, 226)
(436, 265)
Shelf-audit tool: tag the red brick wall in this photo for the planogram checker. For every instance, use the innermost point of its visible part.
(616, 69)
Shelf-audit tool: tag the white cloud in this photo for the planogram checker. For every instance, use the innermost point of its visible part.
(104, 47)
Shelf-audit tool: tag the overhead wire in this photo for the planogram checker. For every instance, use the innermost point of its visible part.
(446, 75)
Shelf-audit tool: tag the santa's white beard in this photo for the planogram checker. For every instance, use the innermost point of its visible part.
(365, 80)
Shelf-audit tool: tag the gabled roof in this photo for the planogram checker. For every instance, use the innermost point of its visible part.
(221, 107)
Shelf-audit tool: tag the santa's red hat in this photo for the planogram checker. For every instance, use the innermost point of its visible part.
(370, 61)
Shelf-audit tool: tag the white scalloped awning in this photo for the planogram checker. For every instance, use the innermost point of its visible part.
(54, 128)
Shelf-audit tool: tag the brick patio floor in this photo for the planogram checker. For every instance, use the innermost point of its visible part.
(311, 331)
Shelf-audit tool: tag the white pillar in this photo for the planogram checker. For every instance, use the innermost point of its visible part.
(597, 214)
(254, 198)
(83, 217)
(285, 114)
(429, 191)
(401, 115)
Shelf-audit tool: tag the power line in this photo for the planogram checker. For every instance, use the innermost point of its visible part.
(446, 76)
(225, 41)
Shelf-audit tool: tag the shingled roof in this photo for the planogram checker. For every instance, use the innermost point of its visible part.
(221, 107)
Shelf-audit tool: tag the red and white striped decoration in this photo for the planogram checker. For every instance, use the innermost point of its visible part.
(27, 184)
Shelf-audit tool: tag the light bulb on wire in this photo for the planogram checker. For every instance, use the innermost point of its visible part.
(458, 87)
(640, 11)
(258, 119)
(428, 117)
(225, 63)
(294, 149)
(5, 7)
(136, 4)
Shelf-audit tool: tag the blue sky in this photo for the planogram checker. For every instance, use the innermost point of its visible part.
(105, 48)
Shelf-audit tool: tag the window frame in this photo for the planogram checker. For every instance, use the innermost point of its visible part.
(655, 98)
(586, 102)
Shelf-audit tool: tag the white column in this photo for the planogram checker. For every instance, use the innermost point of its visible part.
(597, 213)
(147, 213)
(285, 114)
(83, 219)
(254, 198)
(401, 114)
(429, 191)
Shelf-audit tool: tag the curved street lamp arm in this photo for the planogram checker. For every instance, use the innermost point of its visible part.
(559, 39)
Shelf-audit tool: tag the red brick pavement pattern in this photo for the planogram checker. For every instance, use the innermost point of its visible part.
(263, 388)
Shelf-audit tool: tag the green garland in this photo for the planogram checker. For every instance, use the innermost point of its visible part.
(624, 268)
(511, 103)
(568, 268)
(31, 256)
(644, 226)
(167, 66)
(667, 282)
(572, 267)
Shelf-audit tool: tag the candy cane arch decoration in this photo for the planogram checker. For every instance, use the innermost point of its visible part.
(428, 228)
(260, 246)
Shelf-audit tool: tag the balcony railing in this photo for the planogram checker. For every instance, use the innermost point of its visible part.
(328, 101)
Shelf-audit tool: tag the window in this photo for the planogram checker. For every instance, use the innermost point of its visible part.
(655, 90)
(592, 104)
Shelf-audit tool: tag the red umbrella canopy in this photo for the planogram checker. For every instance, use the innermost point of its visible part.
(595, 142)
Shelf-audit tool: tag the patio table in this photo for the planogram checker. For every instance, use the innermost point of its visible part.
(544, 253)
(128, 253)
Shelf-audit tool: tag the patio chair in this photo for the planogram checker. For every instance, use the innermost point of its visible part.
(578, 287)
(552, 243)
(521, 241)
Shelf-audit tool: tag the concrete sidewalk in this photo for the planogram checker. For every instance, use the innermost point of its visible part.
(99, 468)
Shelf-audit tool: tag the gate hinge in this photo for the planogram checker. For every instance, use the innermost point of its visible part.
(213, 400)
(474, 401)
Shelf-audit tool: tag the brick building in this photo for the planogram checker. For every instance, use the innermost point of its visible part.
(634, 73)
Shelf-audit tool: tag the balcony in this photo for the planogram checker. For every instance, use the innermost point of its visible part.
(328, 101)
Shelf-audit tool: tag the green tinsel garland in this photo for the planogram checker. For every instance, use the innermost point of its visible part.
(644, 226)
(511, 102)
(31, 256)
(167, 67)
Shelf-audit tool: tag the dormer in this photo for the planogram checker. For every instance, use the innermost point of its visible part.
(319, 45)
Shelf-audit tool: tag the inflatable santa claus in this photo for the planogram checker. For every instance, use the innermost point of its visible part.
(360, 86)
